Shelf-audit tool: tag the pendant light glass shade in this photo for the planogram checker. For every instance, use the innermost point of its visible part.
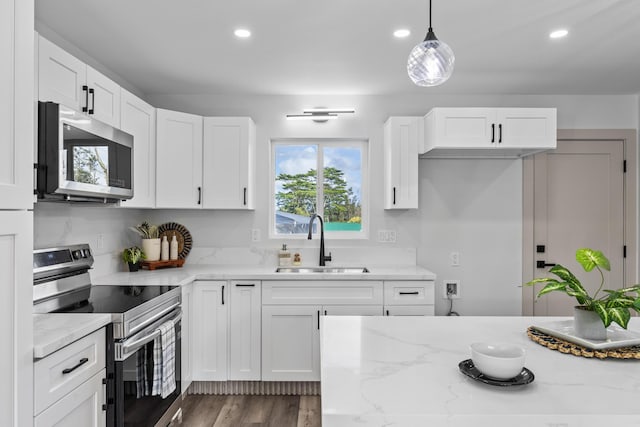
(430, 62)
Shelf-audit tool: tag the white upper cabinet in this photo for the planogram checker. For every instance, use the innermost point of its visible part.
(488, 132)
(228, 163)
(64, 79)
(401, 136)
(139, 119)
(179, 160)
(16, 104)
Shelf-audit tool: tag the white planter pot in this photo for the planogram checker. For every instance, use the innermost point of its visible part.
(587, 324)
(151, 248)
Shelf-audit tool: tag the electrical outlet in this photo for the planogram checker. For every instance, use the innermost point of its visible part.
(451, 289)
(387, 236)
(255, 235)
(454, 258)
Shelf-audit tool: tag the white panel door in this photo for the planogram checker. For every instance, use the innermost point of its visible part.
(139, 119)
(61, 76)
(16, 319)
(104, 98)
(409, 310)
(291, 343)
(245, 330)
(186, 368)
(461, 128)
(526, 127)
(81, 407)
(228, 151)
(401, 162)
(578, 203)
(209, 338)
(179, 160)
(352, 310)
(16, 104)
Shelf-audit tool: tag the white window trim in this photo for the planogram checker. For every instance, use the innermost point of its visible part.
(364, 189)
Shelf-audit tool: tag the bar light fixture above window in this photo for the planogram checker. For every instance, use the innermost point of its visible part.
(430, 62)
(320, 114)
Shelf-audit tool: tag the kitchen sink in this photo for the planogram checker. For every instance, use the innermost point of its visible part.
(323, 270)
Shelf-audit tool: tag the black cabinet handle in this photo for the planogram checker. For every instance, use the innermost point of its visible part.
(325, 312)
(499, 133)
(93, 100)
(493, 132)
(387, 312)
(85, 88)
(245, 285)
(199, 195)
(542, 264)
(409, 293)
(318, 319)
(394, 195)
(80, 363)
(245, 196)
(222, 294)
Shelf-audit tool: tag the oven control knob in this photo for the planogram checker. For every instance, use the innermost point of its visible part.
(86, 253)
(77, 254)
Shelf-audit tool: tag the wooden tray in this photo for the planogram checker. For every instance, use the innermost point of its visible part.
(152, 265)
(553, 343)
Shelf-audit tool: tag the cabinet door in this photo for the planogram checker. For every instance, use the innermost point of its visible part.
(527, 127)
(401, 162)
(139, 119)
(228, 159)
(244, 330)
(209, 338)
(291, 343)
(61, 76)
(186, 368)
(16, 104)
(407, 292)
(352, 310)
(81, 407)
(179, 160)
(104, 102)
(460, 128)
(409, 310)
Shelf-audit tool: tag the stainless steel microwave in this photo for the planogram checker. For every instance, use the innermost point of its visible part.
(81, 158)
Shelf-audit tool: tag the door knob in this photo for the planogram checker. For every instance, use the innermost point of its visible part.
(542, 264)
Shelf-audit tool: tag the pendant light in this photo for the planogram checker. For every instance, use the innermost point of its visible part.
(430, 62)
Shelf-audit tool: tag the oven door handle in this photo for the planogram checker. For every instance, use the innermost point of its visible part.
(132, 346)
(154, 318)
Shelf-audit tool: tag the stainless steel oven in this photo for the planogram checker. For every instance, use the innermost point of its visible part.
(62, 284)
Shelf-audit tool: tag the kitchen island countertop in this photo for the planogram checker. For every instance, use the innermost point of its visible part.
(403, 371)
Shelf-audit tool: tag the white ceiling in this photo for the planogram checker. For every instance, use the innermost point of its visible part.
(347, 47)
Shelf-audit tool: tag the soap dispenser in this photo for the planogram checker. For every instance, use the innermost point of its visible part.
(173, 250)
(164, 249)
(284, 257)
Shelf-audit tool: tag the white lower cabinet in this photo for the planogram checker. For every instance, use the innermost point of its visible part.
(245, 308)
(80, 407)
(409, 298)
(186, 365)
(409, 310)
(209, 332)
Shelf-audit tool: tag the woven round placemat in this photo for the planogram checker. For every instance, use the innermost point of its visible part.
(567, 347)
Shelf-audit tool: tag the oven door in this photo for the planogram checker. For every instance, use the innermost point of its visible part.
(145, 411)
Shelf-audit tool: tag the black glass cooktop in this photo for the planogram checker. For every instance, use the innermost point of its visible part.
(114, 299)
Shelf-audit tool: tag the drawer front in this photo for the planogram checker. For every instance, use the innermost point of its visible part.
(319, 292)
(408, 293)
(409, 310)
(50, 380)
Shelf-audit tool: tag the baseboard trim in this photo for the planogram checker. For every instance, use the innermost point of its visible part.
(274, 388)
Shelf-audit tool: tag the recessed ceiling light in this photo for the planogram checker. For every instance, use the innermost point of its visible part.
(242, 33)
(558, 34)
(401, 33)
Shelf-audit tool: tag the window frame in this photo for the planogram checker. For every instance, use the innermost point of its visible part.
(363, 144)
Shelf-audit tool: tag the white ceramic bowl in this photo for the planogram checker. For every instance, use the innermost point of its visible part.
(501, 361)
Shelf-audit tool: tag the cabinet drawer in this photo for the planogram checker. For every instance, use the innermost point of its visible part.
(322, 292)
(409, 310)
(50, 380)
(408, 293)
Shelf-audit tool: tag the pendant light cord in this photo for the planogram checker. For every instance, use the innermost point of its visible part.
(430, 29)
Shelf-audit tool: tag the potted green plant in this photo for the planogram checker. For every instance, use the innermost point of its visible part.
(132, 257)
(150, 240)
(594, 313)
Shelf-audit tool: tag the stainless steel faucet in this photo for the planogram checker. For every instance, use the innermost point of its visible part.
(323, 258)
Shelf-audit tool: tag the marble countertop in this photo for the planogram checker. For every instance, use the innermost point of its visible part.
(191, 272)
(53, 331)
(403, 371)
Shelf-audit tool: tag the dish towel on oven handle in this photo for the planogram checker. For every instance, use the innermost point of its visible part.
(164, 355)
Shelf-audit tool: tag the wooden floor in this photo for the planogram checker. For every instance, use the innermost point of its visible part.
(200, 410)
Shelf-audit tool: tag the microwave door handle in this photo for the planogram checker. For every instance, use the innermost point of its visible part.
(133, 344)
